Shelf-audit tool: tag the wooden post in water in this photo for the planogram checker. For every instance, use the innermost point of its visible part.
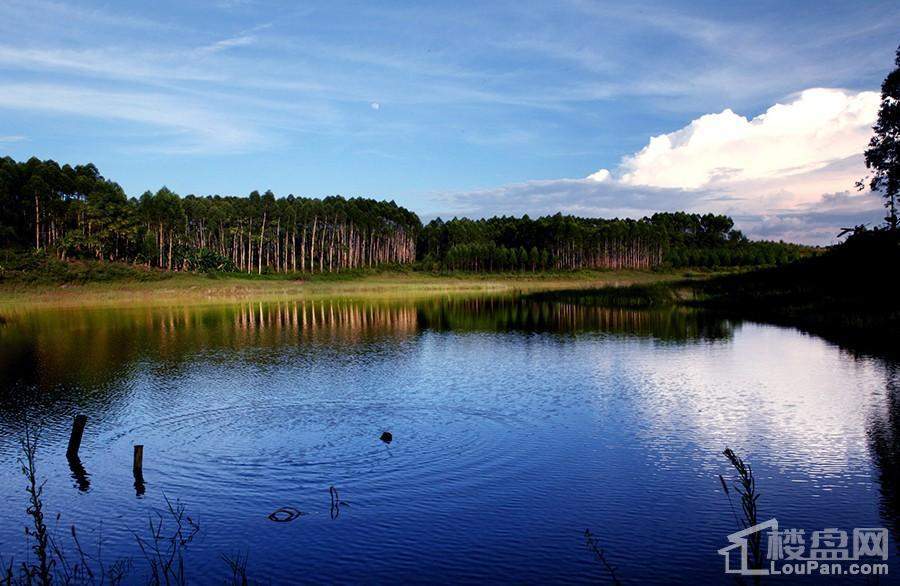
(138, 465)
(75, 438)
(137, 468)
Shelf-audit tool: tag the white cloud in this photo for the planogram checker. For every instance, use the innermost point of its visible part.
(785, 174)
(12, 138)
(818, 127)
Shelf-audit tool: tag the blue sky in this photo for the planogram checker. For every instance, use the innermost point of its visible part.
(473, 108)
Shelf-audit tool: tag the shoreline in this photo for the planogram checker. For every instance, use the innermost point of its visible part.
(194, 289)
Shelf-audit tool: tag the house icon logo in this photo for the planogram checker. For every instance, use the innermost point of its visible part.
(829, 551)
(737, 555)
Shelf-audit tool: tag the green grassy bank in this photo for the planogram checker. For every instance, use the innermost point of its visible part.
(35, 281)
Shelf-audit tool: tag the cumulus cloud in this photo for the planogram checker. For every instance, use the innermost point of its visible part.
(600, 176)
(783, 174)
(818, 127)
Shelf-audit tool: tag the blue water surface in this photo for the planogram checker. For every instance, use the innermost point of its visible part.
(516, 426)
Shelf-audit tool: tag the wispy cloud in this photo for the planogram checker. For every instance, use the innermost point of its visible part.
(25, 10)
(190, 127)
(241, 41)
(244, 39)
(467, 93)
(11, 138)
(108, 62)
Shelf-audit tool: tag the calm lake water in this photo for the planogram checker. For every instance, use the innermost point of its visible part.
(517, 424)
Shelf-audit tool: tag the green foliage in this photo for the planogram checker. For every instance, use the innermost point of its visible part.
(204, 260)
(76, 213)
(632, 296)
(569, 243)
(40, 268)
(883, 154)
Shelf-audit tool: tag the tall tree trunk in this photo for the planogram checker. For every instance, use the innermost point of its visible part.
(262, 231)
(37, 221)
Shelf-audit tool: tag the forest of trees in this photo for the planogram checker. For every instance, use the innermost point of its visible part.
(569, 243)
(74, 212)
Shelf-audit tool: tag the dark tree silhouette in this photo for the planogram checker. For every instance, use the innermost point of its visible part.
(883, 154)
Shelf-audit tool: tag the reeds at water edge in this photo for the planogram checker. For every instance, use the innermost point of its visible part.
(745, 485)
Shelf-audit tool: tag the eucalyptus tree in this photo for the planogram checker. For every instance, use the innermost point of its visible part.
(76, 212)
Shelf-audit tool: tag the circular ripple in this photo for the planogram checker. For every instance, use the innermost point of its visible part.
(262, 445)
